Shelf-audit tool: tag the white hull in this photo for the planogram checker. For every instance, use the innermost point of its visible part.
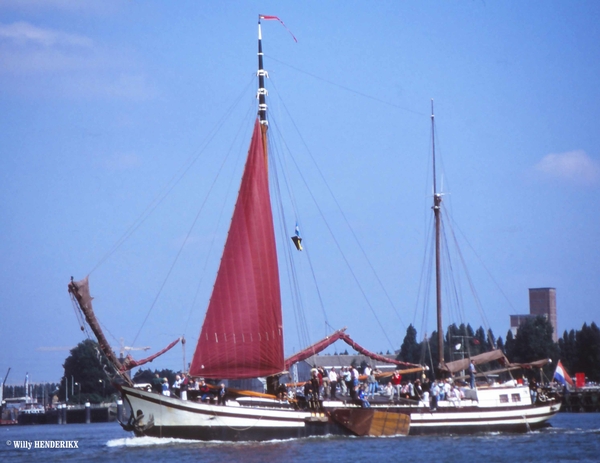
(503, 408)
(161, 416)
(264, 419)
(473, 420)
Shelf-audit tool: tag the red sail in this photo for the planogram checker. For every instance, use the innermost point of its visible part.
(242, 332)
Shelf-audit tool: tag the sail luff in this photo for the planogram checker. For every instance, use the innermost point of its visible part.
(241, 336)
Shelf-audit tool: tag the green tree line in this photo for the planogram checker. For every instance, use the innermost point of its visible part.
(85, 377)
(579, 350)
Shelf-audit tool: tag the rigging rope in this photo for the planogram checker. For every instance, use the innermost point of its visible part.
(306, 250)
(278, 164)
(348, 89)
(365, 256)
(170, 185)
(347, 223)
(218, 221)
(187, 237)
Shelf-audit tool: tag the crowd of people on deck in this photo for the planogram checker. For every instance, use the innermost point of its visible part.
(347, 382)
(331, 384)
(184, 383)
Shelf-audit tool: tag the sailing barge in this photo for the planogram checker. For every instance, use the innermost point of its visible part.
(242, 338)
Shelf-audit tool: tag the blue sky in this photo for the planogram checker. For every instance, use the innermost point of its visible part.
(103, 102)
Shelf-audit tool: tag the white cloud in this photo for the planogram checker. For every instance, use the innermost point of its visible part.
(37, 62)
(25, 34)
(26, 49)
(573, 166)
(93, 7)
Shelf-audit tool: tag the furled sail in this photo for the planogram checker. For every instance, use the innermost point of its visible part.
(486, 357)
(341, 334)
(242, 332)
(80, 291)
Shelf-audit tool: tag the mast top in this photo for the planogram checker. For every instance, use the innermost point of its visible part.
(261, 73)
(435, 192)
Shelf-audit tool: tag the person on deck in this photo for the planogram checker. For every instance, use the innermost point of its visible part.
(455, 396)
(347, 377)
(316, 387)
(308, 394)
(472, 374)
(435, 395)
(321, 377)
(417, 390)
(372, 384)
(185, 381)
(405, 390)
(333, 380)
(307, 390)
(221, 394)
(354, 375)
(193, 384)
(177, 386)
(367, 370)
(426, 386)
(205, 391)
(157, 384)
(282, 392)
(397, 382)
(165, 387)
(364, 403)
(388, 391)
(323, 383)
(533, 390)
(447, 387)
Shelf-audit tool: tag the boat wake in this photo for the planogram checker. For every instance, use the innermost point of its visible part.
(147, 441)
(567, 431)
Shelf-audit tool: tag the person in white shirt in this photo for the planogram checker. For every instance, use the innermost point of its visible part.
(177, 386)
(447, 388)
(388, 391)
(347, 377)
(333, 380)
(354, 376)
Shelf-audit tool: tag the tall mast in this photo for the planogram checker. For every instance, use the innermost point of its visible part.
(437, 201)
(262, 91)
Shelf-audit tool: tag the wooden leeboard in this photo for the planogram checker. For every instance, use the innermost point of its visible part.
(370, 422)
(356, 420)
(385, 423)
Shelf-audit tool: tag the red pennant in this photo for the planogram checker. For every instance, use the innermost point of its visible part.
(275, 18)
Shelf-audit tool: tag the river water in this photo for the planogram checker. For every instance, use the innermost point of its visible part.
(572, 437)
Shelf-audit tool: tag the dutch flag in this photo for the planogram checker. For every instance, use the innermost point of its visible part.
(562, 376)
